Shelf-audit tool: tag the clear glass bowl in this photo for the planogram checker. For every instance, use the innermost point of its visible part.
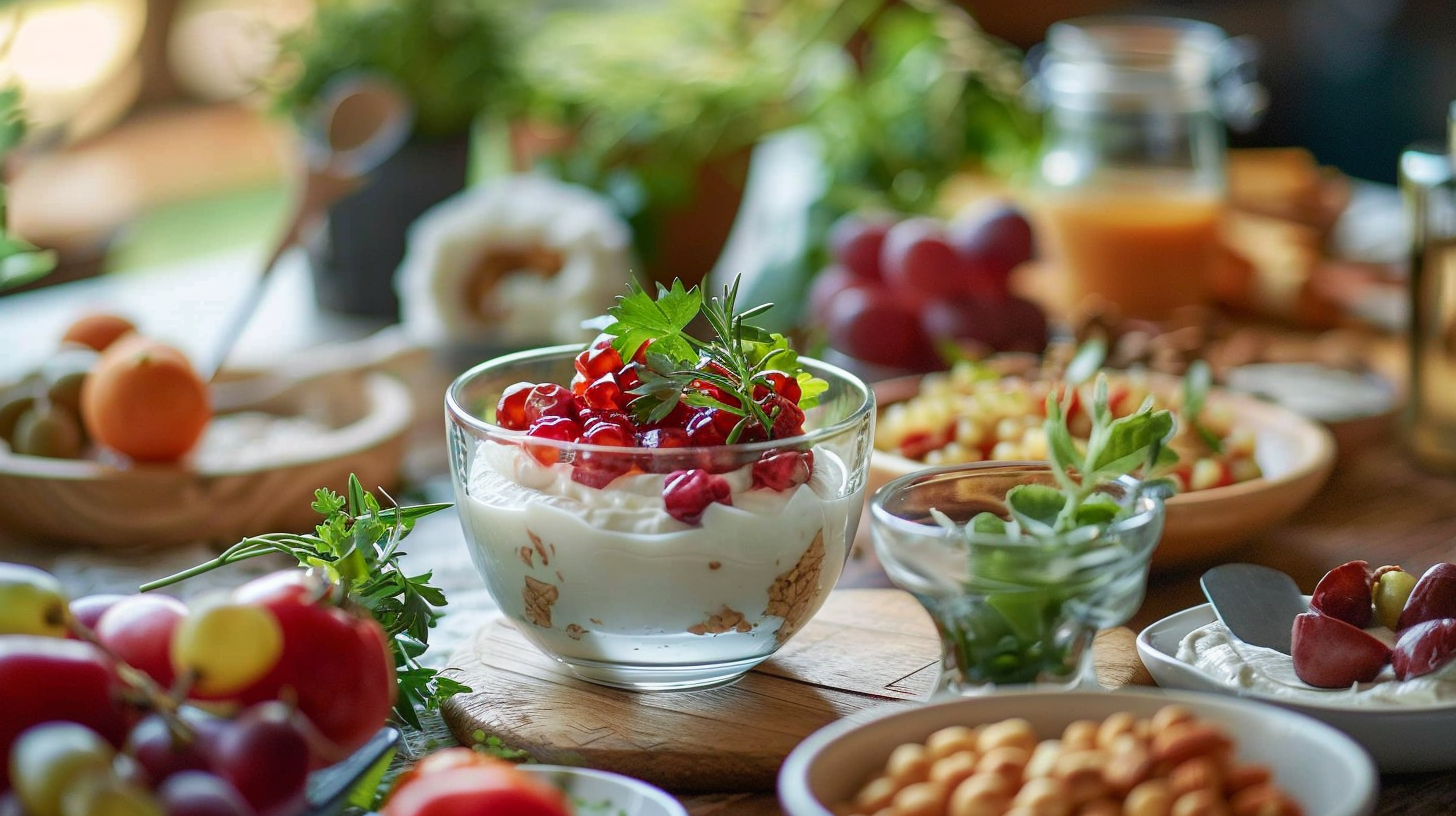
(606, 581)
(1011, 611)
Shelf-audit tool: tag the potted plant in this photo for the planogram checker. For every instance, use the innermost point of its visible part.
(658, 106)
(454, 60)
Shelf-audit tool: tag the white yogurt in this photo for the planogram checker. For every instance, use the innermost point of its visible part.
(1215, 651)
(608, 576)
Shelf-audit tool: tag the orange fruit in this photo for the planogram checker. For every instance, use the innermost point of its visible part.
(98, 330)
(144, 399)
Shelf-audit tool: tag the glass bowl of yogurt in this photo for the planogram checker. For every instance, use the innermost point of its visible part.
(659, 564)
(1012, 611)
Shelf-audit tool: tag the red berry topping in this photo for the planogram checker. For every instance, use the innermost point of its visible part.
(599, 473)
(666, 437)
(598, 361)
(579, 383)
(550, 400)
(640, 357)
(561, 429)
(687, 493)
(627, 377)
(510, 411)
(604, 394)
(678, 417)
(783, 385)
(788, 418)
(606, 432)
(782, 470)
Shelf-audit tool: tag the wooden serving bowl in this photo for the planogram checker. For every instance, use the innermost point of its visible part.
(89, 502)
(1295, 454)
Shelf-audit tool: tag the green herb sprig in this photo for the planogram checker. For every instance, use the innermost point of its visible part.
(1117, 447)
(738, 359)
(357, 547)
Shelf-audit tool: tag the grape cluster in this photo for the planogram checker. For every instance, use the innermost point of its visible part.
(141, 705)
(898, 291)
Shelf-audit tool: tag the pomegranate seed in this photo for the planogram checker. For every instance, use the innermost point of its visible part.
(627, 377)
(579, 383)
(596, 362)
(788, 418)
(599, 474)
(510, 411)
(640, 357)
(687, 493)
(602, 341)
(604, 394)
(783, 470)
(705, 430)
(784, 385)
(550, 399)
(602, 432)
(561, 429)
(664, 438)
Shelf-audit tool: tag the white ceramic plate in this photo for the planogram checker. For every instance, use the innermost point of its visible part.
(600, 793)
(1321, 768)
(1403, 739)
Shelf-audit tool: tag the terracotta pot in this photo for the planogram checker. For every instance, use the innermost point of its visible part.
(685, 240)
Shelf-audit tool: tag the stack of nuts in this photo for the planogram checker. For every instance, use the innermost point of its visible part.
(1172, 764)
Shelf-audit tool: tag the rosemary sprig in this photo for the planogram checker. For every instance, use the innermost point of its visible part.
(357, 547)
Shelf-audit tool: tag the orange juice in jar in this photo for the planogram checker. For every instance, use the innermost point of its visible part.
(1130, 184)
(1148, 251)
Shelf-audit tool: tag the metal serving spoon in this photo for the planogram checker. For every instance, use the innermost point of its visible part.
(1257, 604)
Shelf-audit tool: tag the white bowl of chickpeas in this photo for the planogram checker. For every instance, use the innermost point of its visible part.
(1038, 753)
(1271, 461)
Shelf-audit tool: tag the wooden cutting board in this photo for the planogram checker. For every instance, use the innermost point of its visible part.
(867, 648)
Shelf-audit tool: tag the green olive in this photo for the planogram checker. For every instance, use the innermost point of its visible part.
(10, 410)
(48, 430)
(1392, 588)
(65, 390)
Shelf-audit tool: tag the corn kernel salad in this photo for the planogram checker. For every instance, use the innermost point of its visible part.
(973, 414)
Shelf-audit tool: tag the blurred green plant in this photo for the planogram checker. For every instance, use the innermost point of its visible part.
(454, 58)
(20, 261)
(932, 95)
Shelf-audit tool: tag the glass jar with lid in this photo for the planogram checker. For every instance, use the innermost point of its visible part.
(1130, 182)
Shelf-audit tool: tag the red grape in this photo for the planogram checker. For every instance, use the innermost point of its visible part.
(264, 755)
(139, 631)
(917, 256)
(87, 610)
(855, 241)
(879, 326)
(993, 242)
(48, 679)
(826, 286)
(197, 793)
(162, 753)
(1030, 325)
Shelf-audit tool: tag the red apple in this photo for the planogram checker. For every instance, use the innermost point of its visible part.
(1424, 648)
(337, 667)
(916, 256)
(1433, 598)
(1329, 653)
(1344, 593)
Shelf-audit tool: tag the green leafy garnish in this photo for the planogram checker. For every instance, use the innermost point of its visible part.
(736, 361)
(1117, 447)
(1196, 384)
(20, 261)
(357, 547)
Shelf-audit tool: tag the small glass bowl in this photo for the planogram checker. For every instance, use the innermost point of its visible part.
(605, 580)
(1011, 612)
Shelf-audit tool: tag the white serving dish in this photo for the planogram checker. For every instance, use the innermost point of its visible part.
(601, 793)
(1402, 739)
(1325, 771)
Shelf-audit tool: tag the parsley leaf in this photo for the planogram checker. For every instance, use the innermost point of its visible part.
(357, 547)
(638, 318)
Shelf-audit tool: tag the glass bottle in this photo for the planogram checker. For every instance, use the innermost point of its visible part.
(1428, 183)
(1130, 184)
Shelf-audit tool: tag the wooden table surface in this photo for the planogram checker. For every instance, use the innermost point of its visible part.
(1377, 506)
